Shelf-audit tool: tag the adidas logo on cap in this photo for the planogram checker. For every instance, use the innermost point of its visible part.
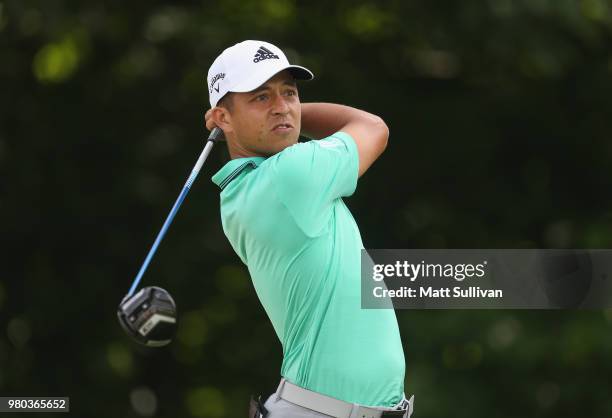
(264, 53)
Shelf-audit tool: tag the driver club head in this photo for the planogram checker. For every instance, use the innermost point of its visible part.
(149, 316)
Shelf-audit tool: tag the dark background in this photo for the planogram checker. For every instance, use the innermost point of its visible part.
(499, 113)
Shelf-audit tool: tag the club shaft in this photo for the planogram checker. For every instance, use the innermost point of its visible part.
(172, 214)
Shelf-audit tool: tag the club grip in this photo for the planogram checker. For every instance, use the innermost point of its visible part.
(216, 135)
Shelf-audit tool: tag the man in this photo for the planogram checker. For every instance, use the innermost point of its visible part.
(282, 211)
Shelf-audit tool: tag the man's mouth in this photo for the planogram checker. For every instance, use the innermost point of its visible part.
(282, 127)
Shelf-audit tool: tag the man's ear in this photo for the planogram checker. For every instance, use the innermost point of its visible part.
(222, 118)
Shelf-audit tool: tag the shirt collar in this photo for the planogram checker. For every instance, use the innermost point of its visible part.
(233, 168)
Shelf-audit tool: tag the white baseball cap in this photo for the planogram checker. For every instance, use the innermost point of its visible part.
(247, 65)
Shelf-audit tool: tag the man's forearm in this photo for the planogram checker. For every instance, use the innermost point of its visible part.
(370, 133)
(320, 120)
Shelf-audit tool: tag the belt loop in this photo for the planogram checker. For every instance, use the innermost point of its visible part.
(410, 406)
(279, 390)
(354, 411)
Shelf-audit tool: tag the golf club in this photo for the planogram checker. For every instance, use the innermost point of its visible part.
(149, 316)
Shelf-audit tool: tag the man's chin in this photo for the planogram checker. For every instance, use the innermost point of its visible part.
(283, 143)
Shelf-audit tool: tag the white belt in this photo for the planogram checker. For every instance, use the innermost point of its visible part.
(332, 406)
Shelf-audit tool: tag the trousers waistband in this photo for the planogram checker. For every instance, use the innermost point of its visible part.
(335, 407)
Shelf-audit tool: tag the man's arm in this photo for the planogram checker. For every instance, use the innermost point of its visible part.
(369, 131)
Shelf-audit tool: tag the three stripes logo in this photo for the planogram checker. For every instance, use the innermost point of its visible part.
(264, 53)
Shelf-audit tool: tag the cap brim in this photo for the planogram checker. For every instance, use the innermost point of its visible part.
(250, 84)
(300, 73)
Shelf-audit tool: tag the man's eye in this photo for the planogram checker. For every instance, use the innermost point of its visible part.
(291, 93)
(261, 97)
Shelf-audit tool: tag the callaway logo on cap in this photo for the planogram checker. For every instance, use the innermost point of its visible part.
(246, 66)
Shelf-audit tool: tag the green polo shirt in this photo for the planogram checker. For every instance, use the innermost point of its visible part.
(285, 218)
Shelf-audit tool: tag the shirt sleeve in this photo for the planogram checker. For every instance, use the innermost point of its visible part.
(310, 176)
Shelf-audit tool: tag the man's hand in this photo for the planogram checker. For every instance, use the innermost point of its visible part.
(369, 131)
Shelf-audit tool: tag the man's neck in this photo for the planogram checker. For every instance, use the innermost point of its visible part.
(236, 151)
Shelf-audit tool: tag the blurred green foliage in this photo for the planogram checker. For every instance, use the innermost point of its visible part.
(499, 114)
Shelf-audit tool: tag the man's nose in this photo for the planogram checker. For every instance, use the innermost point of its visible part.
(279, 105)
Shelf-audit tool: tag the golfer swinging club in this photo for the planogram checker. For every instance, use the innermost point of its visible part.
(283, 213)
